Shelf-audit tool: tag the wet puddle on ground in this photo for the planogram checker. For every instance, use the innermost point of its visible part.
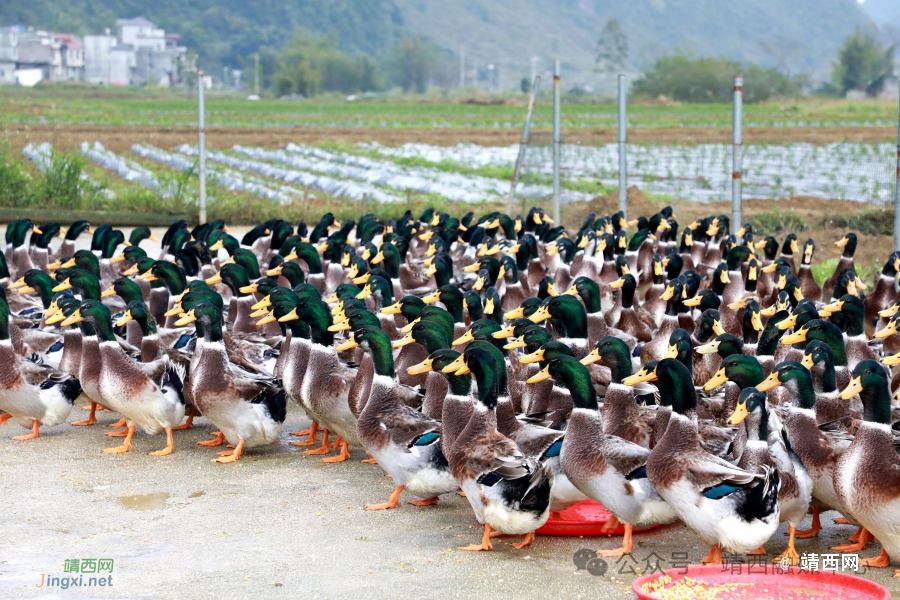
(145, 501)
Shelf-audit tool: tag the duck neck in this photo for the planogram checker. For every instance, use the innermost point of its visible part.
(382, 357)
(876, 401)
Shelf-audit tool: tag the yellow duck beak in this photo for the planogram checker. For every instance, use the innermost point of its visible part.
(125, 319)
(489, 306)
(640, 377)
(770, 382)
(672, 352)
(617, 283)
(740, 413)
(890, 361)
(709, 348)
(190, 317)
(473, 268)
(420, 368)
(842, 242)
(718, 379)
(889, 312)
(378, 258)
(479, 283)
(249, 289)
(365, 293)
(393, 309)
(62, 287)
(668, 294)
(75, 317)
(408, 327)
(515, 313)
(348, 345)
(275, 272)
(888, 330)
(361, 279)
(54, 318)
(543, 375)
(175, 310)
(536, 356)
(264, 303)
(404, 341)
(464, 338)
(807, 361)
(116, 258)
(504, 333)
(541, 314)
(717, 327)
(217, 278)
(695, 301)
(432, 297)
(853, 389)
(591, 358)
(291, 316)
(455, 366)
(795, 338)
(343, 326)
(519, 342)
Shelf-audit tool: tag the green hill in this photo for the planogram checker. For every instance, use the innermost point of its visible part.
(798, 35)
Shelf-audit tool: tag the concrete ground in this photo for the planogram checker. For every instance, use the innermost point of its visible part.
(278, 524)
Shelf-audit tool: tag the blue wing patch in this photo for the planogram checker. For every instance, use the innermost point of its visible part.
(720, 491)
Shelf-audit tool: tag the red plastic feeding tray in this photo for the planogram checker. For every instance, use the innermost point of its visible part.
(770, 581)
(588, 517)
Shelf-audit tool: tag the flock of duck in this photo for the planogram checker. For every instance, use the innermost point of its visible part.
(703, 376)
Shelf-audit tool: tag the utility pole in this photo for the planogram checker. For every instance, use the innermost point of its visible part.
(202, 139)
(462, 67)
(523, 144)
(256, 72)
(475, 72)
(534, 60)
(897, 193)
(737, 155)
(623, 145)
(556, 145)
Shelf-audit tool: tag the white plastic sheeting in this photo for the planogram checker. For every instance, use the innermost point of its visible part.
(861, 172)
(424, 180)
(124, 168)
(230, 179)
(41, 155)
(323, 183)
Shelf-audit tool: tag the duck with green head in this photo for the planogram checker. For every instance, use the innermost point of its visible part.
(148, 395)
(404, 442)
(818, 329)
(568, 317)
(656, 348)
(817, 451)
(631, 320)
(310, 256)
(848, 245)
(856, 341)
(604, 466)
(32, 394)
(324, 389)
(247, 415)
(726, 506)
(866, 476)
(235, 277)
(589, 293)
(67, 248)
(513, 498)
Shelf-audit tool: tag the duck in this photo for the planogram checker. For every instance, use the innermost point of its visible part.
(507, 491)
(145, 394)
(656, 348)
(848, 244)
(247, 415)
(32, 394)
(630, 320)
(653, 305)
(818, 329)
(569, 319)
(856, 342)
(788, 249)
(605, 467)
(404, 442)
(884, 295)
(808, 284)
(589, 292)
(766, 446)
(865, 475)
(728, 508)
(815, 450)
(67, 248)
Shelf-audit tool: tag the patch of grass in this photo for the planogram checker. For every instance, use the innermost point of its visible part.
(776, 221)
(823, 271)
(867, 222)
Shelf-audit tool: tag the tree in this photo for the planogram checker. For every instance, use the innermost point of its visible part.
(685, 78)
(864, 63)
(307, 65)
(612, 48)
(525, 85)
(410, 63)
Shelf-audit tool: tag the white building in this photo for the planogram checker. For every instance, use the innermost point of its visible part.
(9, 55)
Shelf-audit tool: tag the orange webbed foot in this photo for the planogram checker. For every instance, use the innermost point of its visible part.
(126, 443)
(393, 501)
(217, 441)
(35, 432)
(861, 543)
(485, 542)
(344, 455)
(714, 557)
(232, 455)
(423, 501)
(529, 538)
(627, 545)
(878, 562)
(170, 445)
(758, 551)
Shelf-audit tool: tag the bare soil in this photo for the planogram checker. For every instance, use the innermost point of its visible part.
(120, 138)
